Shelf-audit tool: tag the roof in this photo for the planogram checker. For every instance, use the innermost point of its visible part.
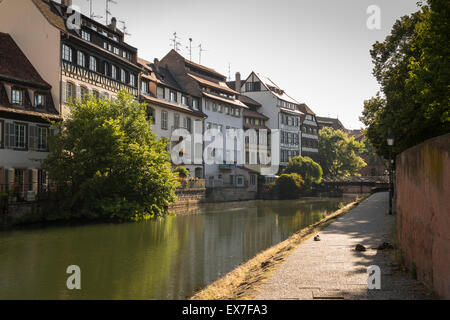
(222, 99)
(254, 114)
(333, 122)
(296, 112)
(202, 67)
(249, 101)
(220, 85)
(15, 66)
(305, 109)
(275, 89)
(172, 106)
(50, 12)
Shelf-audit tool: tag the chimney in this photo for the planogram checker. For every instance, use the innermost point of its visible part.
(67, 3)
(113, 24)
(156, 63)
(238, 82)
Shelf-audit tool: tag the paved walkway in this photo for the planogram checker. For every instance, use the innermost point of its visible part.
(332, 269)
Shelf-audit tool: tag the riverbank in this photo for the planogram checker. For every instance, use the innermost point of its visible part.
(242, 282)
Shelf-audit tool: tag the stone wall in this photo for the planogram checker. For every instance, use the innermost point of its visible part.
(229, 194)
(423, 212)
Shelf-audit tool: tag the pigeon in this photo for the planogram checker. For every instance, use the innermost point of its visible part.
(360, 247)
(317, 238)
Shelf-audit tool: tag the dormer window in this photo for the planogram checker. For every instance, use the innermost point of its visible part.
(39, 100)
(85, 35)
(184, 100)
(173, 96)
(195, 103)
(17, 97)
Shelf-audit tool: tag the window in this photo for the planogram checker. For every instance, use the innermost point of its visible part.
(83, 92)
(66, 53)
(42, 138)
(85, 35)
(105, 45)
(114, 72)
(164, 120)
(123, 76)
(70, 91)
(144, 87)
(173, 96)
(39, 100)
(92, 64)
(184, 100)
(81, 59)
(160, 93)
(195, 103)
(116, 51)
(20, 132)
(176, 120)
(17, 97)
(132, 80)
(96, 94)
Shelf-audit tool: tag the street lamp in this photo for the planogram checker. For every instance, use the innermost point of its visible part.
(390, 143)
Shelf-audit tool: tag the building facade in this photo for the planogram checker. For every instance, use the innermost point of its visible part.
(171, 108)
(281, 110)
(26, 109)
(310, 133)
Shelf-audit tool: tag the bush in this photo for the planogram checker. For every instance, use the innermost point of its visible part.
(289, 186)
(182, 172)
(310, 171)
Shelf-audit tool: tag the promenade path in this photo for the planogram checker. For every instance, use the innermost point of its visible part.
(332, 269)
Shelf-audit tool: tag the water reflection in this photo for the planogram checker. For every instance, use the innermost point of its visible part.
(167, 258)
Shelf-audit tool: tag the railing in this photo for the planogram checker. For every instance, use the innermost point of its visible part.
(187, 184)
(219, 183)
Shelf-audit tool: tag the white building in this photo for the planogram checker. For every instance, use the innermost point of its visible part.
(282, 110)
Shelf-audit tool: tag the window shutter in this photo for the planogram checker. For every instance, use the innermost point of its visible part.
(6, 135)
(11, 140)
(78, 92)
(64, 91)
(33, 138)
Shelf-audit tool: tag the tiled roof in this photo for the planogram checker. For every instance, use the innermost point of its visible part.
(305, 109)
(172, 106)
(219, 98)
(214, 84)
(50, 12)
(15, 66)
(202, 67)
(254, 114)
(270, 85)
(249, 101)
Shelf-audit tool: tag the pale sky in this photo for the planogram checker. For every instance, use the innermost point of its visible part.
(316, 50)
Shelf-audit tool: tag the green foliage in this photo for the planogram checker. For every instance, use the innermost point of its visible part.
(310, 171)
(412, 67)
(181, 171)
(338, 153)
(289, 186)
(108, 163)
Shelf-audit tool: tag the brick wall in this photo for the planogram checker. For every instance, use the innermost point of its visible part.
(423, 211)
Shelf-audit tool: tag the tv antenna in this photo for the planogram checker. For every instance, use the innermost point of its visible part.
(175, 41)
(190, 49)
(124, 28)
(108, 13)
(229, 71)
(92, 15)
(200, 50)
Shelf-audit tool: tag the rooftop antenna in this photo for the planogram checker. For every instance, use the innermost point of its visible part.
(190, 49)
(92, 15)
(124, 28)
(229, 71)
(107, 10)
(175, 41)
(200, 50)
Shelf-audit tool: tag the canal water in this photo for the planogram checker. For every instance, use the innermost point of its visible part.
(167, 258)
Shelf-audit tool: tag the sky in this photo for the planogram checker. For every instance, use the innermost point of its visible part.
(315, 50)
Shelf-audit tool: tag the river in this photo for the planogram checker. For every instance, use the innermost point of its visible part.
(166, 258)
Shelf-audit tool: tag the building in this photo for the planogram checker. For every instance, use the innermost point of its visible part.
(224, 159)
(171, 108)
(26, 106)
(89, 58)
(282, 111)
(310, 133)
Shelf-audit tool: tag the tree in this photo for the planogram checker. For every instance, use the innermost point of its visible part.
(108, 162)
(412, 67)
(289, 186)
(310, 171)
(338, 153)
(181, 171)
